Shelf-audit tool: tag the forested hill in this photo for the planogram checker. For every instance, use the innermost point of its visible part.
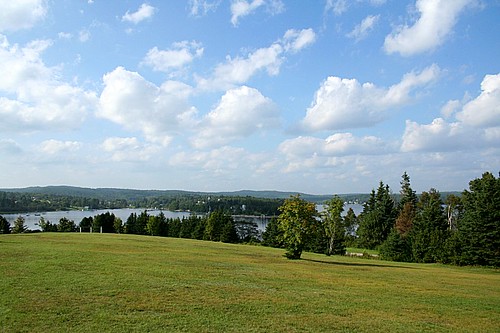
(133, 194)
(51, 198)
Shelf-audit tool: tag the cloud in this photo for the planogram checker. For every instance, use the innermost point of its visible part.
(17, 15)
(137, 104)
(239, 70)
(338, 7)
(338, 144)
(362, 30)
(220, 160)
(436, 22)
(35, 97)
(240, 113)
(484, 111)
(144, 12)
(10, 147)
(202, 7)
(240, 8)
(179, 55)
(53, 147)
(295, 40)
(128, 149)
(345, 103)
(477, 124)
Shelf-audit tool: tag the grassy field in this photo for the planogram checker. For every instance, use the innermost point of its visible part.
(125, 283)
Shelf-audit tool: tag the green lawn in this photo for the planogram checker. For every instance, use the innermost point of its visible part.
(125, 283)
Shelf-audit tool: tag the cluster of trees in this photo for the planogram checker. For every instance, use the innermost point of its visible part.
(463, 230)
(13, 202)
(216, 226)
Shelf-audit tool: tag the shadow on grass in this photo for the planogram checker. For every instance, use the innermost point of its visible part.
(355, 264)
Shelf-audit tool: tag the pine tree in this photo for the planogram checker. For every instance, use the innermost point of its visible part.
(430, 230)
(4, 225)
(479, 229)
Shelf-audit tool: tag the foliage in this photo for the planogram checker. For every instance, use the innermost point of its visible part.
(429, 232)
(396, 248)
(273, 235)
(333, 224)
(298, 223)
(351, 224)
(479, 229)
(66, 225)
(106, 221)
(377, 218)
(4, 225)
(19, 226)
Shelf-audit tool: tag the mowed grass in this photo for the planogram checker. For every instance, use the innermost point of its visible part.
(124, 283)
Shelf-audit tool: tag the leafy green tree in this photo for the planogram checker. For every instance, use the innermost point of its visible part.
(4, 225)
(479, 229)
(334, 226)
(429, 233)
(86, 223)
(350, 224)
(66, 225)
(273, 235)
(118, 225)
(19, 226)
(215, 223)
(297, 221)
(106, 221)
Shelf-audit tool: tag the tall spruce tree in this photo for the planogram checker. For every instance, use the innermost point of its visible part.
(430, 229)
(479, 229)
(377, 218)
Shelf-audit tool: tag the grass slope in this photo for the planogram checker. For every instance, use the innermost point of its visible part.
(126, 283)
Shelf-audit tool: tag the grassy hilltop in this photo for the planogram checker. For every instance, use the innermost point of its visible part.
(126, 283)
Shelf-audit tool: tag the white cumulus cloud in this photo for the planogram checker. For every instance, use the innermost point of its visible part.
(239, 70)
(477, 124)
(37, 98)
(21, 14)
(240, 113)
(345, 103)
(181, 54)
(137, 104)
(53, 147)
(144, 12)
(436, 22)
(128, 149)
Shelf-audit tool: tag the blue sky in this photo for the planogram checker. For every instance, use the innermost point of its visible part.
(319, 97)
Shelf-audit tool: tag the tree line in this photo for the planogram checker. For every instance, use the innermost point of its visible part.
(14, 202)
(462, 230)
(216, 226)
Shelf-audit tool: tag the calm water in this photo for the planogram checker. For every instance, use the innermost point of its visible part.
(53, 217)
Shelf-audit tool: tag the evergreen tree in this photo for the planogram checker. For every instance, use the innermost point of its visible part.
(174, 227)
(479, 229)
(396, 248)
(407, 207)
(377, 218)
(273, 235)
(86, 223)
(131, 224)
(215, 223)
(429, 233)
(228, 232)
(4, 225)
(19, 226)
(141, 222)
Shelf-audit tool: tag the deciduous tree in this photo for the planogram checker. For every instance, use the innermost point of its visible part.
(297, 221)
